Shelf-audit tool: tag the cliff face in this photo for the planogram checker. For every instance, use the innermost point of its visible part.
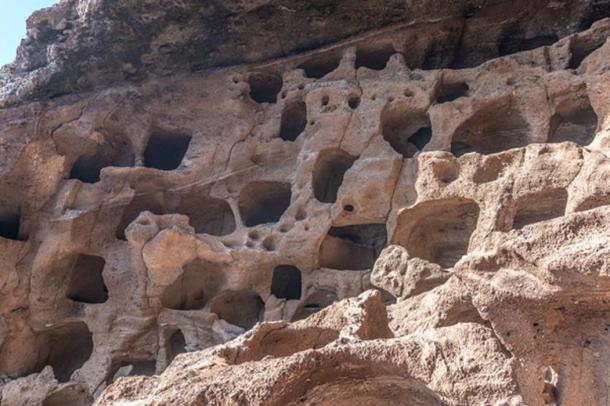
(79, 45)
(285, 202)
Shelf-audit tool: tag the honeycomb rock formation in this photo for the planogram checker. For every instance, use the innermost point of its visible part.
(407, 206)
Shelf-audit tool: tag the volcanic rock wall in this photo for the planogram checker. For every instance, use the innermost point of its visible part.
(464, 158)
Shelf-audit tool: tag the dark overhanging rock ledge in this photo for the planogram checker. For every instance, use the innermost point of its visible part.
(78, 45)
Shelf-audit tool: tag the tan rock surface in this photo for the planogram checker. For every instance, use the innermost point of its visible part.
(462, 364)
(400, 217)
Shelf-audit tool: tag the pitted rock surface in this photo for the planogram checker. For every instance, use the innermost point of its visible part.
(407, 206)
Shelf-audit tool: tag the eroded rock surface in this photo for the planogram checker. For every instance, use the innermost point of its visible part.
(432, 369)
(393, 212)
(82, 44)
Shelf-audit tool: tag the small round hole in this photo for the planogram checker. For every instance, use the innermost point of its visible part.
(408, 93)
(269, 244)
(325, 100)
(353, 102)
(348, 207)
(374, 97)
(301, 215)
(391, 99)
(301, 86)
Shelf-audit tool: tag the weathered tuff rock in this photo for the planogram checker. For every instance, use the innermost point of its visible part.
(82, 44)
(266, 367)
(142, 221)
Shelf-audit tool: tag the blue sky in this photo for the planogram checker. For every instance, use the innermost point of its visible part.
(12, 24)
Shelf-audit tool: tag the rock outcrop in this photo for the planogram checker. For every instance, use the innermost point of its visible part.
(281, 202)
(319, 360)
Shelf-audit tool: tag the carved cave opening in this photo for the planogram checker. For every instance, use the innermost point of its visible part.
(343, 384)
(286, 282)
(263, 202)
(293, 121)
(86, 280)
(166, 150)
(265, 86)
(240, 308)
(449, 92)
(117, 153)
(176, 345)
(10, 222)
(65, 348)
(541, 206)
(354, 247)
(152, 202)
(438, 231)
(490, 130)
(574, 120)
(320, 66)
(328, 174)
(406, 130)
(207, 214)
(194, 287)
(374, 57)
